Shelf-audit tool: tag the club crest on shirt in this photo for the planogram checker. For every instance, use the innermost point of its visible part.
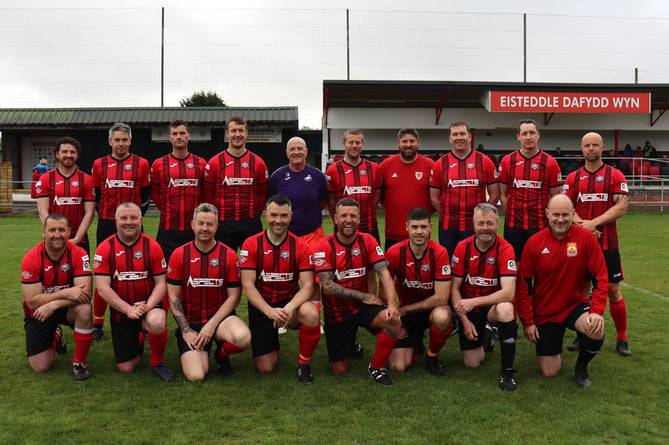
(75, 183)
(26, 275)
(319, 262)
(425, 267)
(65, 267)
(214, 262)
(419, 175)
(190, 165)
(470, 166)
(599, 179)
(138, 254)
(534, 166)
(285, 254)
(355, 251)
(127, 167)
(245, 164)
(490, 260)
(572, 250)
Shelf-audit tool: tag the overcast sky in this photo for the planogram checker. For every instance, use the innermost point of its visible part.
(277, 53)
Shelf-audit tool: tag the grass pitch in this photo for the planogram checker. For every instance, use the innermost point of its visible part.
(627, 403)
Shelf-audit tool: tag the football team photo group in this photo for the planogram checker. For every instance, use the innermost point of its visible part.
(518, 251)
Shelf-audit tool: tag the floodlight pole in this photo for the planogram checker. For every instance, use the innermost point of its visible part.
(525, 48)
(348, 49)
(162, 58)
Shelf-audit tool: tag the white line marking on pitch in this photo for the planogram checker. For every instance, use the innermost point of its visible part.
(646, 291)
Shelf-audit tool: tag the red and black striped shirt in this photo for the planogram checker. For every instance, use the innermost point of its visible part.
(277, 267)
(358, 182)
(204, 278)
(177, 188)
(119, 182)
(66, 194)
(237, 186)
(529, 181)
(131, 268)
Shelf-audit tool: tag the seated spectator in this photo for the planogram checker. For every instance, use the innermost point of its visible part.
(629, 151)
(611, 160)
(481, 148)
(639, 152)
(558, 153)
(649, 151)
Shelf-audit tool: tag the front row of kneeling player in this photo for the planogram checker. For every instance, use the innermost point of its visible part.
(204, 286)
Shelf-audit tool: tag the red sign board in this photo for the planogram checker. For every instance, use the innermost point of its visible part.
(548, 102)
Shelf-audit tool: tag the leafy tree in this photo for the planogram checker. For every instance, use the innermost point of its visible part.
(203, 99)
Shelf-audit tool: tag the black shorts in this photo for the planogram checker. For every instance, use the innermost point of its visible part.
(551, 335)
(450, 238)
(415, 325)
(390, 243)
(125, 338)
(106, 228)
(478, 318)
(181, 344)
(518, 238)
(340, 335)
(234, 233)
(374, 233)
(40, 334)
(614, 266)
(264, 336)
(169, 240)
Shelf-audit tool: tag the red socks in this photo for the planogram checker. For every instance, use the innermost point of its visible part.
(82, 344)
(308, 338)
(384, 347)
(437, 340)
(99, 309)
(618, 311)
(158, 343)
(227, 350)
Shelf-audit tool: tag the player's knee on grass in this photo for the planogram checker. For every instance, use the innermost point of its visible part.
(340, 367)
(400, 360)
(549, 366)
(42, 361)
(266, 363)
(473, 358)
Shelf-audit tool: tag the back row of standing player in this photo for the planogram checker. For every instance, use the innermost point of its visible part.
(236, 181)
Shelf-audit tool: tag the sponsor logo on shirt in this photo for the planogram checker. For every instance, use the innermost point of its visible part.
(119, 183)
(237, 181)
(26, 275)
(463, 182)
(545, 251)
(183, 182)
(358, 190)
(511, 265)
(350, 273)
(593, 197)
(130, 275)
(276, 276)
(415, 284)
(623, 186)
(66, 200)
(446, 270)
(526, 184)
(481, 281)
(205, 282)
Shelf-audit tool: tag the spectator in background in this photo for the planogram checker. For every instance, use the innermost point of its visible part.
(481, 149)
(558, 153)
(639, 152)
(38, 170)
(649, 151)
(610, 159)
(629, 151)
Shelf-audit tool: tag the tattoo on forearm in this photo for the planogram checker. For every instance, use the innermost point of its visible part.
(334, 289)
(179, 317)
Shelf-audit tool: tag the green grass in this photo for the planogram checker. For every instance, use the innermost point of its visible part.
(627, 403)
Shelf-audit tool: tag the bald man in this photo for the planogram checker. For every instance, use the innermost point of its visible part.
(600, 196)
(555, 266)
(307, 190)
